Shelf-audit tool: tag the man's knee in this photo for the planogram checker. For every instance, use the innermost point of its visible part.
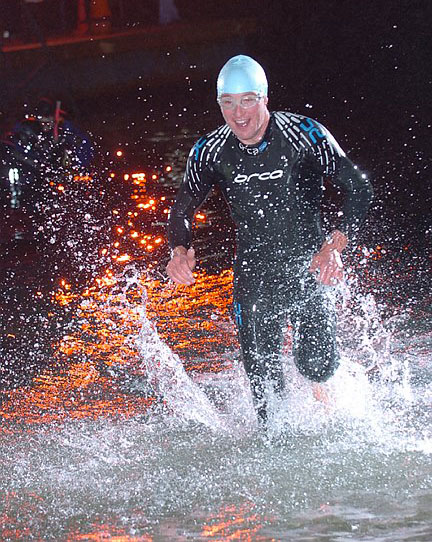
(318, 364)
(315, 348)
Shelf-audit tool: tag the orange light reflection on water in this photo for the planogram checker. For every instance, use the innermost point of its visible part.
(105, 533)
(231, 523)
(235, 523)
(193, 321)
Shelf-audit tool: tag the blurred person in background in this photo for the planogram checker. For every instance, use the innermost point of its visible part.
(41, 147)
(48, 140)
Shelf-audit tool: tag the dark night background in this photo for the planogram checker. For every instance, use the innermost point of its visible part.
(365, 67)
(360, 68)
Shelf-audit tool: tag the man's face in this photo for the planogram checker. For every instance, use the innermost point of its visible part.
(246, 115)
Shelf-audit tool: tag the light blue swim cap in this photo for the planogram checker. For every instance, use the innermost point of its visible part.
(241, 74)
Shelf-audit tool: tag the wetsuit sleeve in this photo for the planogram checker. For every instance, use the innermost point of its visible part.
(347, 177)
(198, 180)
(358, 196)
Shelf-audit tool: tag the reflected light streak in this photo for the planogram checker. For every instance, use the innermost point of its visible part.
(194, 321)
(225, 526)
(105, 535)
(139, 178)
(123, 258)
(86, 178)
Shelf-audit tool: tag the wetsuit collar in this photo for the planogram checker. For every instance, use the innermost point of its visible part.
(260, 147)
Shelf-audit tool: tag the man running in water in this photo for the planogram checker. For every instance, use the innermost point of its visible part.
(270, 167)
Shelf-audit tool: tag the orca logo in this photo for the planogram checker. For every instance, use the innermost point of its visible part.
(266, 176)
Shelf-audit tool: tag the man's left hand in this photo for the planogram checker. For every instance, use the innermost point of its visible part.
(327, 263)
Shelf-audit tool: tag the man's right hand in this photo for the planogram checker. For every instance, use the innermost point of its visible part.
(181, 265)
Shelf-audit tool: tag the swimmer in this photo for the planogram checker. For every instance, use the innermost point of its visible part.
(270, 167)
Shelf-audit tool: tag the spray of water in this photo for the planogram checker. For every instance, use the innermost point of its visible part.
(370, 398)
(161, 369)
(196, 467)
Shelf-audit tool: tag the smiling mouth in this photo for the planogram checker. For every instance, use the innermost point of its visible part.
(241, 122)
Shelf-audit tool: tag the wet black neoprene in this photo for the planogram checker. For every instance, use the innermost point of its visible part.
(274, 190)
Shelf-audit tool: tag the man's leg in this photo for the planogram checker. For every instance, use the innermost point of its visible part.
(314, 335)
(260, 326)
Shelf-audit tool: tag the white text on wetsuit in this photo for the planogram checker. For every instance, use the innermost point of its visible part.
(267, 175)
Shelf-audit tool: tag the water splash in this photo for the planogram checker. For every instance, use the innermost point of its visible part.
(160, 368)
(370, 398)
(195, 466)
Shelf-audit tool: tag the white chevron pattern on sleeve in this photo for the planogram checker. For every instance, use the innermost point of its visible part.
(323, 145)
(205, 151)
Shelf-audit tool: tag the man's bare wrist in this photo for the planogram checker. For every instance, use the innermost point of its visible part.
(338, 241)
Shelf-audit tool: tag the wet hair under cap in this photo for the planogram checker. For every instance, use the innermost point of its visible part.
(242, 74)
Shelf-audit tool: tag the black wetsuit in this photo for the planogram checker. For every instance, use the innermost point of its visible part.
(274, 190)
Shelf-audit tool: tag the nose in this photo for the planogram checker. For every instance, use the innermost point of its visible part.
(237, 111)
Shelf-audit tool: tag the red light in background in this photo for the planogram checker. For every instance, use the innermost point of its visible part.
(201, 217)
